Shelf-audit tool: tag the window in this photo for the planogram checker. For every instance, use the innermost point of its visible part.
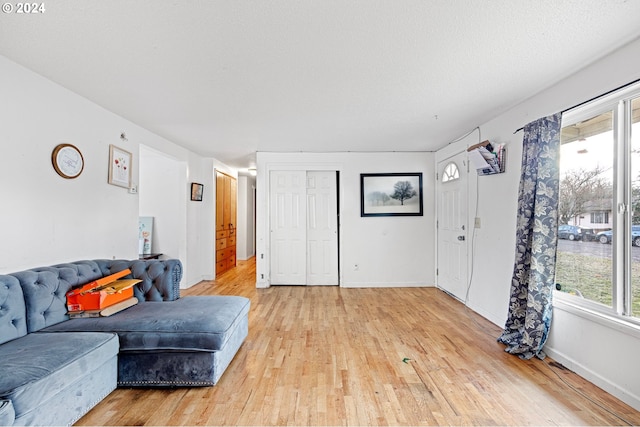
(450, 172)
(600, 217)
(600, 181)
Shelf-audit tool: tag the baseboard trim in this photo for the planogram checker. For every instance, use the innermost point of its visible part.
(591, 376)
(386, 285)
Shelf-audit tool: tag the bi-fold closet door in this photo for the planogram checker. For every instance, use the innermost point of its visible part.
(304, 227)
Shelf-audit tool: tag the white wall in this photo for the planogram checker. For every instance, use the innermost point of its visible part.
(389, 251)
(605, 353)
(161, 180)
(46, 219)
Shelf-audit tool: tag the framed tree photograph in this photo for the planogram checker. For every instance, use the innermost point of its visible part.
(391, 194)
(196, 191)
(119, 167)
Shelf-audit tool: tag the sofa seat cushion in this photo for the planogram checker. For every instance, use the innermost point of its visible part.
(41, 364)
(202, 323)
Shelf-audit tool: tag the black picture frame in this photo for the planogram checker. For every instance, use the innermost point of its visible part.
(391, 194)
(196, 191)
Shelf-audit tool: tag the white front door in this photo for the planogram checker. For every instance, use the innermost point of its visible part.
(322, 228)
(288, 227)
(453, 230)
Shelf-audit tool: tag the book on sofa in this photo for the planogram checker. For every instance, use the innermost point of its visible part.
(104, 312)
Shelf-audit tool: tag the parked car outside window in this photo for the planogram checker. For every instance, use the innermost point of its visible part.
(574, 232)
(607, 236)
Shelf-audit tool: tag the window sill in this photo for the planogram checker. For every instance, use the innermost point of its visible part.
(571, 304)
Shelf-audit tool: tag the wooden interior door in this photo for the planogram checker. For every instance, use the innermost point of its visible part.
(226, 211)
(233, 200)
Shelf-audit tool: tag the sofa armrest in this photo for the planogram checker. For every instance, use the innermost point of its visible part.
(160, 278)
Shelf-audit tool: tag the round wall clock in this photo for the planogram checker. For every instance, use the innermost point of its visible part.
(67, 161)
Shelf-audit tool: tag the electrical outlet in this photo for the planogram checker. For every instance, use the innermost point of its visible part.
(477, 223)
(356, 267)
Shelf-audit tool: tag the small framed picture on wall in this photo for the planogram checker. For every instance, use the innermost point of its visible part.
(119, 167)
(196, 191)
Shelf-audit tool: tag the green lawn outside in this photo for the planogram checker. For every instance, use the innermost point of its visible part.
(591, 277)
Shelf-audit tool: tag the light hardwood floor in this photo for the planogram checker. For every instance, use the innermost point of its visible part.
(333, 356)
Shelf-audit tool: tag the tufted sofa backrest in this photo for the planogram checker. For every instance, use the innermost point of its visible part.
(45, 288)
(13, 322)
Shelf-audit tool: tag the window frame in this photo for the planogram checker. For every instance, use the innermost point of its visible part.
(620, 104)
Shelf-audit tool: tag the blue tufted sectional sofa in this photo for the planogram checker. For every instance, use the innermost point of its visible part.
(53, 369)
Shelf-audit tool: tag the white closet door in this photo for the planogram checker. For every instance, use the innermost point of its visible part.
(322, 228)
(288, 227)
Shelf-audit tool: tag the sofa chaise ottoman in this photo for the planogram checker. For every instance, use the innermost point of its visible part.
(186, 342)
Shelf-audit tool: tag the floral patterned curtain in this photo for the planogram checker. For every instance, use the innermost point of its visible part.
(529, 317)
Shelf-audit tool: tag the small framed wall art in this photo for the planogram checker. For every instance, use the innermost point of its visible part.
(391, 194)
(119, 167)
(196, 191)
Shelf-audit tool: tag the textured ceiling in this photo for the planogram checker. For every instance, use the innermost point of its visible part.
(229, 78)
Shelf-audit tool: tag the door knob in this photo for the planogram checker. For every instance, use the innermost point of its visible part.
(461, 238)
